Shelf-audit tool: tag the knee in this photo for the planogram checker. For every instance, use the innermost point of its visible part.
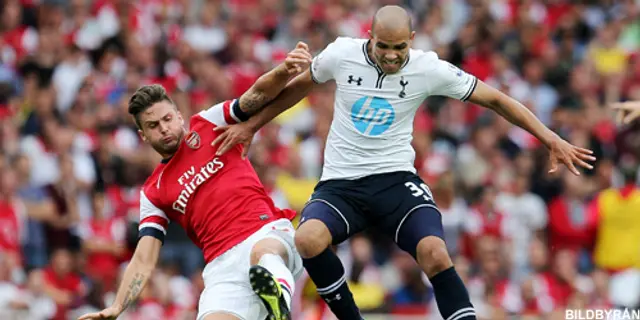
(267, 246)
(312, 238)
(432, 255)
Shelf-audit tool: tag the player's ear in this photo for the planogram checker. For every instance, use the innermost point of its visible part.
(370, 34)
(142, 136)
(181, 118)
(413, 35)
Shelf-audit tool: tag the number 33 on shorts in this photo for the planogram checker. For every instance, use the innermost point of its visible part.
(421, 191)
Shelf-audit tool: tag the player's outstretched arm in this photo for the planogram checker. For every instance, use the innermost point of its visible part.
(512, 110)
(295, 91)
(627, 111)
(323, 68)
(135, 278)
(242, 133)
(270, 84)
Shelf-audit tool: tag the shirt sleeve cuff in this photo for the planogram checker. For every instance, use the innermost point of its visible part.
(151, 232)
(237, 111)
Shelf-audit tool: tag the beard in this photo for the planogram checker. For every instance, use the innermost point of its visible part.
(168, 148)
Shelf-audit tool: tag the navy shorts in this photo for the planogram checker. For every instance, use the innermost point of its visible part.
(398, 204)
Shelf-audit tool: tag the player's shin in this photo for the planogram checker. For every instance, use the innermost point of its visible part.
(451, 294)
(328, 274)
(313, 238)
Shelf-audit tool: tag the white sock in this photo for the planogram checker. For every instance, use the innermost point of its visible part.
(278, 268)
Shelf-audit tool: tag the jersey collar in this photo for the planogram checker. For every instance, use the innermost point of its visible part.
(373, 64)
(367, 58)
(406, 61)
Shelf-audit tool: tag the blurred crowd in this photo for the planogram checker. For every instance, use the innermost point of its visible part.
(528, 244)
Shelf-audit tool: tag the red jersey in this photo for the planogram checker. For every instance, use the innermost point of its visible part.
(104, 265)
(9, 228)
(218, 200)
(70, 283)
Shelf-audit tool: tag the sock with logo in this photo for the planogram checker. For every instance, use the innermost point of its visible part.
(281, 272)
(327, 273)
(452, 296)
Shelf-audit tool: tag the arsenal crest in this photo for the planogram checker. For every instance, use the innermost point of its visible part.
(193, 140)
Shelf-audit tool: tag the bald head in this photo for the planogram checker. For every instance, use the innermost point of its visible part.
(391, 35)
(391, 19)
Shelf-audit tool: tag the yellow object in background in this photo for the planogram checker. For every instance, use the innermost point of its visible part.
(297, 191)
(609, 61)
(292, 112)
(367, 296)
(618, 240)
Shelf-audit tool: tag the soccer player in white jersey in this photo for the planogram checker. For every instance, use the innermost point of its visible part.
(368, 176)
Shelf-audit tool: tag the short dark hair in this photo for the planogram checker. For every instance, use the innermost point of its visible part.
(145, 97)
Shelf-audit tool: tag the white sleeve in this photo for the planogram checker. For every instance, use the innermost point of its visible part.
(450, 81)
(126, 139)
(84, 168)
(538, 218)
(472, 224)
(151, 217)
(84, 230)
(119, 231)
(223, 114)
(8, 294)
(325, 63)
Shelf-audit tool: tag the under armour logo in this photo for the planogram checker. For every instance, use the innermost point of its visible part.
(352, 80)
(403, 84)
(337, 297)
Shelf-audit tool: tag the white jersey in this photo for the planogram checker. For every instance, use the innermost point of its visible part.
(372, 124)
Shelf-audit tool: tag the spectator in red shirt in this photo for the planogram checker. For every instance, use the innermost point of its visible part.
(277, 152)
(479, 62)
(9, 219)
(104, 242)
(63, 284)
(484, 220)
(245, 69)
(571, 224)
(492, 289)
(566, 282)
(536, 295)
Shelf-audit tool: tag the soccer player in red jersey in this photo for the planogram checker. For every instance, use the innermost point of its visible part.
(219, 200)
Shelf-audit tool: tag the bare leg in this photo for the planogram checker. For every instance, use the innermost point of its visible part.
(221, 316)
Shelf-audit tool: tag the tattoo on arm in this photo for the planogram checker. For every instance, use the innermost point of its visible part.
(252, 101)
(134, 290)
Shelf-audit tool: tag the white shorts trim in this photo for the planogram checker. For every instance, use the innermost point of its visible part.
(409, 213)
(346, 222)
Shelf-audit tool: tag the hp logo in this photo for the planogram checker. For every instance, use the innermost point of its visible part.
(372, 115)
